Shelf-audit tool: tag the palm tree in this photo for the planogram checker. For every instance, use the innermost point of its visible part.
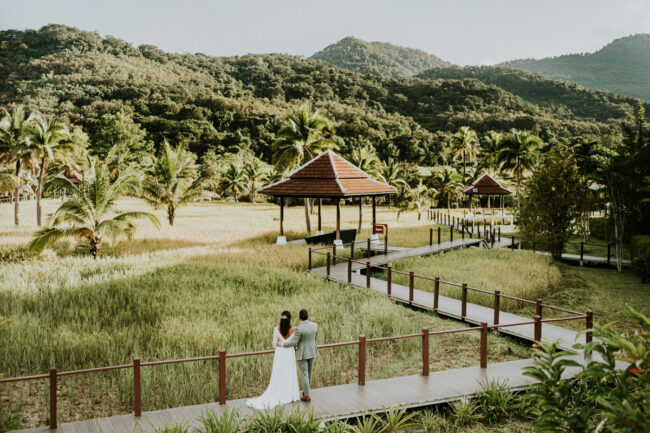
(491, 147)
(254, 172)
(89, 214)
(173, 180)
(448, 184)
(365, 158)
(415, 199)
(46, 139)
(302, 138)
(466, 144)
(518, 154)
(233, 180)
(14, 147)
(392, 173)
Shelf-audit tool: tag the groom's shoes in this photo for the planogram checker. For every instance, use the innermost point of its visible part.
(306, 399)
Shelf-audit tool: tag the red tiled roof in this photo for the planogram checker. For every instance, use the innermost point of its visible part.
(327, 175)
(486, 185)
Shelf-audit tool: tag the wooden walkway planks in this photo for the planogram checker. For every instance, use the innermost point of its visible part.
(335, 402)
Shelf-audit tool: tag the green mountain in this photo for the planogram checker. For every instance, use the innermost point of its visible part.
(228, 103)
(557, 95)
(623, 66)
(379, 58)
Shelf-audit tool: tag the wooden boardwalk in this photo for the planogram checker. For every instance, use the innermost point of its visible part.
(598, 260)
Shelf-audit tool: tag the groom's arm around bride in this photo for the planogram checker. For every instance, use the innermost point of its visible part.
(304, 340)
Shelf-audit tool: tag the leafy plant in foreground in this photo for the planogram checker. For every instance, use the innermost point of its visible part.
(228, 422)
(496, 401)
(394, 419)
(10, 421)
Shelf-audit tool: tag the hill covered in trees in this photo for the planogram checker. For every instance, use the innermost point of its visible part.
(621, 66)
(227, 103)
(379, 58)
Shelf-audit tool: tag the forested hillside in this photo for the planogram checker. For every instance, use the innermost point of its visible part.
(556, 94)
(227, 103)
(379, 58)
(622, 66)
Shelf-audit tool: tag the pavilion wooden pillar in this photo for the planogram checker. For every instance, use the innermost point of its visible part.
(338, 219)
(281, 216)
(374, 212)
(320, 205)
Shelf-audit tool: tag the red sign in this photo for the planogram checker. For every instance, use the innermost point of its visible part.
(380, 229)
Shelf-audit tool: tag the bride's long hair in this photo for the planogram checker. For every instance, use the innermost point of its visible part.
(285, 323)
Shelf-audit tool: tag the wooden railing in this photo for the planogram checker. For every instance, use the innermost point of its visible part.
(361, 342)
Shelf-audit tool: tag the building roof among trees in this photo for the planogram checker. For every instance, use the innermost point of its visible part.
(327, 175)
(486, 185)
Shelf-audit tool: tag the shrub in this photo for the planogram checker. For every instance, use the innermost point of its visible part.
(228, 422)
(394, 419)
(464, 412)
(174, 427)
(641, 255)
(599, 227)
(495, 401)
(10, 421)
(367, 424)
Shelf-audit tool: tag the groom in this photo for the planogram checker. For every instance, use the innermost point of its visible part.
(304, 340)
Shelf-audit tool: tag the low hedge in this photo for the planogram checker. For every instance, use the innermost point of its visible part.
(598, 227)
(641, 255)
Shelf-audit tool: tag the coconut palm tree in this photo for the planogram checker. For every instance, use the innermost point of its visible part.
(365, 158)
(466, 144)
(173, 180)
(491, 147)
(302, 138)
(90, 212)
(415, 199)
(392, 173)
(233, 181)
(255, 173)
(47, 136)
(448, 185)
(15, 147)
(518, 154)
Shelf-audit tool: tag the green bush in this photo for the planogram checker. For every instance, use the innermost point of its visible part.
(599, 227)
(10, 421)
(495, 402)
(641, 255)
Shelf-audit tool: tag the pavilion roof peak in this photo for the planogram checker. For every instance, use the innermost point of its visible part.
(327, 175)
(486, 185)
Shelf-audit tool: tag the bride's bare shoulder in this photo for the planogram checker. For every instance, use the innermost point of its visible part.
(291, 331)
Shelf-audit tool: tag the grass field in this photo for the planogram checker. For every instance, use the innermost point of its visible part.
(213, 281)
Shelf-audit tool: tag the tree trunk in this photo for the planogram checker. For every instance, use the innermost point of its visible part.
(17, 195)
(617, 212)
(253, 192)
(307, 221)
(518, 184)
(94, 247)
(464, 166)
(448, 206)
(171, 214)
(360, 214)
(39, 191)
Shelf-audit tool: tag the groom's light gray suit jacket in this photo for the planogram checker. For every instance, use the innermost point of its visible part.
(304, 340)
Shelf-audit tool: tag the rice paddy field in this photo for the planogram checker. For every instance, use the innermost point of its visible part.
(215, 281)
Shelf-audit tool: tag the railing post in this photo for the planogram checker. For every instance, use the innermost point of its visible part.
(513, 242)
(334, 254)
(352, 250)
(425, 351)
(328, 264)
(436, 293)
(538, 307)
(462, 228)
(349, 270)
(53, 385)
(497, 306)
(590, 325)
(137, 389)
(369, 252)
(386, 245)
(484, 338)
(582, 253)
(499, 234)
(492, 237)
(538, 329)
(222, 377)
(362, 359)
(368, 274)
(609, 253)
(411, 288)
(464, 301)
(439, 230)
(309, 265)
(431, 236)
(389, 281)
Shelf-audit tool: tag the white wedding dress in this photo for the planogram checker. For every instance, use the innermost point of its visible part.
(283, 386)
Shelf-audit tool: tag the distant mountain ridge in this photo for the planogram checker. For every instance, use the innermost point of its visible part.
(622, 66)
(381, 58)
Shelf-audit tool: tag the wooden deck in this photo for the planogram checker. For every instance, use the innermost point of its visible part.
(335, 402)
(597, 260)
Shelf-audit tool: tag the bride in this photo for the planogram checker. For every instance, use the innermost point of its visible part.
(283, 387)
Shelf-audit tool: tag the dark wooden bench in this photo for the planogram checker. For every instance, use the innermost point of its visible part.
(347, 236)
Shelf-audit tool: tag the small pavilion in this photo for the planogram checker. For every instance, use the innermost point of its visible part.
(488, 186)
(327, 175)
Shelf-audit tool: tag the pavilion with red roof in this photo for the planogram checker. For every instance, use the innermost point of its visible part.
(488, 186)
(327, 175)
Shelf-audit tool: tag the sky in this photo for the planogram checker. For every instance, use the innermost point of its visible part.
(460, 31)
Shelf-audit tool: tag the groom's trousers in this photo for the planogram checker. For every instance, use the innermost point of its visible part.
(305, 368)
